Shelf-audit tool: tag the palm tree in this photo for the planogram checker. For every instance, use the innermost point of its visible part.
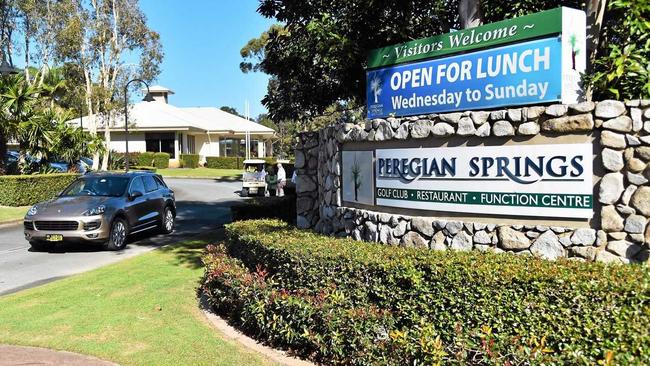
(356, 177)
(17, 108)
(54, 85)
(375, 86)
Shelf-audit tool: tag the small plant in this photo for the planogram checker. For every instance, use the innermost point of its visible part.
(356, 177)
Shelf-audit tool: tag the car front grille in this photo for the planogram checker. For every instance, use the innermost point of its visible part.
(29, 225)
(57, 225)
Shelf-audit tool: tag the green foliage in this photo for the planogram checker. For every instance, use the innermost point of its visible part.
(337, 301)
(224, 162)
(24, 190)
(146, 159)
(161, 160)
(622, 69)
(230, 110)
(29, 116)
(190, 160)
(282, 208)
(117, 160)
(142, 167)
(318, 57)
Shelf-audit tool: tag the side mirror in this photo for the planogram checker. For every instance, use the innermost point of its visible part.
(134, 195)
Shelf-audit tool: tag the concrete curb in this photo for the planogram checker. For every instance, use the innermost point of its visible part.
(231, 333)
(10, 223)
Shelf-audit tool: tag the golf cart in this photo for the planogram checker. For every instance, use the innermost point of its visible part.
(253, 182)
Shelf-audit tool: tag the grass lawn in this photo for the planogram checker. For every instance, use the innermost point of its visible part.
(12, 213)
(141, 311)
(233, 174)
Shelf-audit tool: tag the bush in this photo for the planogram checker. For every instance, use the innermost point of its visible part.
(146, 159)
(338, 301)
(25, 190)
(161, 160)
(147, 168)
(283, 208)
(189, 160)
(224, 162)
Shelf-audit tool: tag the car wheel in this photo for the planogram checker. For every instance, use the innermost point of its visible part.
(168, 221)
(244, 192)
(118, 235)
(40, 246)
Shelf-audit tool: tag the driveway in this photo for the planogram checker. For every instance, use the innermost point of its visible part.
(202, 205)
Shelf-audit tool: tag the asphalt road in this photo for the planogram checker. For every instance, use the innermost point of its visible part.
(202, 204)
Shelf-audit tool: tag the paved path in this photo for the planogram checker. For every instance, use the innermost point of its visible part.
(18, 355)
(202, 205)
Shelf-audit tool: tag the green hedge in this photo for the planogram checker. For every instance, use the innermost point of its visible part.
(283, 208)
(25, 190)
(147, 168)
(161, 160)
(146, 159)
(224, 162)
(337, 301)
(189, 160)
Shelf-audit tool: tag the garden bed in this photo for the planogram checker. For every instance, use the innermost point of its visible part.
(337, 301)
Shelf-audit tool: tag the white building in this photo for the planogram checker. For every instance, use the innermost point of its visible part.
(158, 126)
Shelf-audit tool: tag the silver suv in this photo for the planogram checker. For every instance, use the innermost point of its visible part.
(102, 208)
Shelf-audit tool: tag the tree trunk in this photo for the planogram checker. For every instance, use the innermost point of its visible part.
(595, 14)
(107, 140)
(470, 13)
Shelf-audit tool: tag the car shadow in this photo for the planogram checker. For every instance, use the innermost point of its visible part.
(193, 219)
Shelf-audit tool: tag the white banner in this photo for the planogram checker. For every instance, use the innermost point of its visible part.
(523, 180)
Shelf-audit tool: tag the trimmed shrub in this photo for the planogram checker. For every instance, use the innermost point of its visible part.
(161, 160)
(224, 162)
(146, 159)
(147, 168)
(25, 190)
(283, 208)
(189, 160)
(337, 301)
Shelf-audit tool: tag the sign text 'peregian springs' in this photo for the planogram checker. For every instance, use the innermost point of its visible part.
(529, 180)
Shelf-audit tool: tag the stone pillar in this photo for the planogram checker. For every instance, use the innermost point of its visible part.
(307, 203)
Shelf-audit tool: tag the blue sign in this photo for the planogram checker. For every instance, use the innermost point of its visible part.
(519, 74)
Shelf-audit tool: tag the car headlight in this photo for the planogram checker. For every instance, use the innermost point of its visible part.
(32, 211)
(95, 211)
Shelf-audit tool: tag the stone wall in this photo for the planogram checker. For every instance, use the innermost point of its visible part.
(622, 141)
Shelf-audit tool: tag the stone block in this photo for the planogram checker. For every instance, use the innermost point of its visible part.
(613, 140)
(620, 124)
(611, 187)
(609, 109)
(511, 239)
(548, 246)
(503, 128)
(641, 200)
(610, 219)
(576, 123)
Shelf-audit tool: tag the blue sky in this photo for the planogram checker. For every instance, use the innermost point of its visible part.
(201, 40)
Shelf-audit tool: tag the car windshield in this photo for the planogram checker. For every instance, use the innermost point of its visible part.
(97, 186)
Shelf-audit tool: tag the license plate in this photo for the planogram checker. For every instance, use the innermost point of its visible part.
(253, 190)
(54, 237)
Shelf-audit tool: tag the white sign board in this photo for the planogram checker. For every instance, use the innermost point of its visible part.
(523, 180)
(357, 177)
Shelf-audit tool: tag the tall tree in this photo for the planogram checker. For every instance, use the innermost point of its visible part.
(230, 110)
(100, 36)
(317, 57)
